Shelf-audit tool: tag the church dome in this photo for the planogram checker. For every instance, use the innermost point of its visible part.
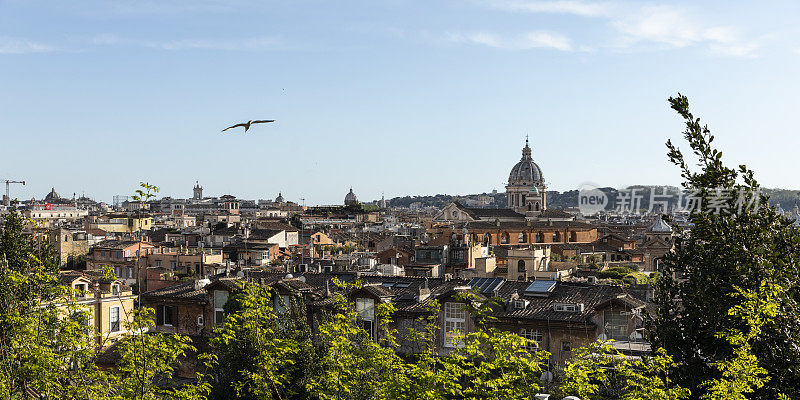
(52, 196)
(659, 226)
(280, 198)
(350, 198)
(526, 172)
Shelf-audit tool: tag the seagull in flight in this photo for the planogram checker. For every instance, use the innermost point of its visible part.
(247, 124)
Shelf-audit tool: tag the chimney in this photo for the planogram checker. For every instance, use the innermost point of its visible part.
(328, 288)
(424, 292)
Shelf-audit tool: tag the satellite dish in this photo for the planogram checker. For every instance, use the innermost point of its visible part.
(240, 274)
(547, 376)
(302, 279)
(602, 337)
(288, 276)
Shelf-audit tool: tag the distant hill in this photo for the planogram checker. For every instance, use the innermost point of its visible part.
(786, 198)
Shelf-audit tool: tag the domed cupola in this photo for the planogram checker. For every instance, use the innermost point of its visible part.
(52, 197)
(526, 172)
(280, 199)
(526, 192)
(350, 198)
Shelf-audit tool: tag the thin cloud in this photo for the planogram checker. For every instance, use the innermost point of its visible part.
(11, 45)
(248, 44)
(670, 26)
(526, 41)
(583, 8)
(638, 26)
(259, 43)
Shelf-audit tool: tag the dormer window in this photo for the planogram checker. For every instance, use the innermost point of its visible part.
(568, 307)
(80, 289)
(115, 290)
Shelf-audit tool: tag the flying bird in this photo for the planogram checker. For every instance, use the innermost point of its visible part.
(247, 124)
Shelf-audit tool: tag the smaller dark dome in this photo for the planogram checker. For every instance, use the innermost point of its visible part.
(350, 198)
(52, 196)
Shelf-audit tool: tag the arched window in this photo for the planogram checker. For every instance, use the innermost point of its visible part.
(521, 266)
(504, 238)
(529, 207)
(573, 236)
(539, 237)
(474, 238)
(487, 239)
(537, 206)
(522, 238)
(556, 236)
(543, 264)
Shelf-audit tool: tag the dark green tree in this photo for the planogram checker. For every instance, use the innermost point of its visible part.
(737, 243)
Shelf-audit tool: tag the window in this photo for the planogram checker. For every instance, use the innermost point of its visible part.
(366, 313)
(166, 315)
(565, 307)
(282, 304)
(80, 290)
(114, 319)
(115, 290)
(521, 266)
(158, 263)
(172, 264)
(539, 237)
(532, 335)
(200, 320)
(616, 325)
(455, 324)
(566, 346)
(220, 298)
(504, 238)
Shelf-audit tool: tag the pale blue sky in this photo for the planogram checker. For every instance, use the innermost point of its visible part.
(401, 97)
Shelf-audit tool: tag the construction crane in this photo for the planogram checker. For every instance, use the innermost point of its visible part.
(7, 199)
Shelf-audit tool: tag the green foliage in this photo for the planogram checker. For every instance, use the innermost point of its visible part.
(145, 192)
(258, 354)
(601, 372)
(45, 345)
(617, 272)
(147, 359)
(727, 253)
(741, 374)
(493, 364)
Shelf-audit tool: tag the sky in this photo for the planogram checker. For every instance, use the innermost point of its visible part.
(388, 97)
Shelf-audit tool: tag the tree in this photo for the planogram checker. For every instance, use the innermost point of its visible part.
(737, 243)
(258, 353)
(353, 365)
(44, 345)
(601, 372)
(148, 362)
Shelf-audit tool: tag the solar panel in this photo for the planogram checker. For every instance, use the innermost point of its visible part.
(403, 285)
(541, 288)
(486, 285)
(387, 284)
